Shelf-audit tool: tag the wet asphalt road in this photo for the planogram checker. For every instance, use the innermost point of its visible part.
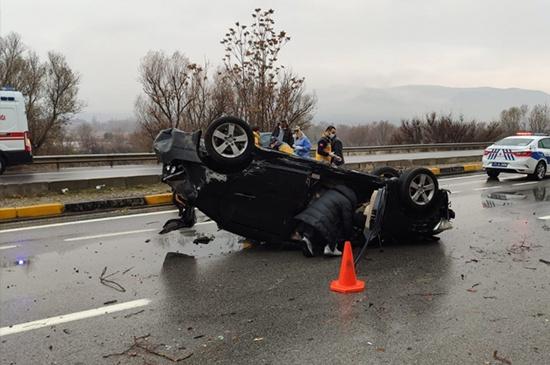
(480, 289)
(79, 173)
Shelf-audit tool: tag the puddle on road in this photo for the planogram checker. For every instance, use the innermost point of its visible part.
(202, 241)
(510, 197)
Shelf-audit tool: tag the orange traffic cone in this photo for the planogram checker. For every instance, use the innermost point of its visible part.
(347, 281)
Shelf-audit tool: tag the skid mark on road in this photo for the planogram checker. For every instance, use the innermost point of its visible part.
(4, 331)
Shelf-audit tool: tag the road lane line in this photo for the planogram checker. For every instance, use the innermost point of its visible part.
(488, 187)
(461, 177)
(466, 183)
(109, 235)
(22, 327)
(526, 183)
(114, 234)
(8, 247)
(545, 217)
(444, 183)
(87, 221)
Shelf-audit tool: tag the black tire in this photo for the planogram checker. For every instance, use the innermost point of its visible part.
(492, 173)
(385, 172)
(540, 171)
(417, 189)
(229, 142)
(2, 165)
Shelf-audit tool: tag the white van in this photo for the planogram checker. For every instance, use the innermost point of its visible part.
(15, 145)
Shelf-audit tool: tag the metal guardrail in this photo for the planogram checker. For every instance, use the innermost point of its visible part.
(428, 146)
(104, 158)
(113, 158)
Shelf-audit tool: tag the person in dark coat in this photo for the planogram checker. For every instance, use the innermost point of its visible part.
(327, 221)
(338, 149)
(283, 133)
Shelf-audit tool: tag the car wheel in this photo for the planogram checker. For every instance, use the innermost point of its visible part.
(540, 171)
(493, 173)
(229, 142)
(418, 188)
(385, 172)
(2, 165)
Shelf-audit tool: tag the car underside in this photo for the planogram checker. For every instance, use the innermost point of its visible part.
(269, 196)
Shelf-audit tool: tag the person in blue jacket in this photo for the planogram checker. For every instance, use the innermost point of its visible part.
(302, 145)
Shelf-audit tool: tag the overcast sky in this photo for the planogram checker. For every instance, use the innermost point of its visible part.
(364, 43)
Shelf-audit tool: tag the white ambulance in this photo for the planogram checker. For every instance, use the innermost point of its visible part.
(15, 145)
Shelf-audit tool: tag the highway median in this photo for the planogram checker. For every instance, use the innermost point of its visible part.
(145, 196)
(58, 209)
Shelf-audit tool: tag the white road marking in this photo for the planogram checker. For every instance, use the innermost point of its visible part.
(7, 247)
(466, 183)
(544, 218)
(488, 187)
(87, 221)
(114, 234)
(456, 192)
(4, 331)
(526, 183)
(442, 181)
(461, 177)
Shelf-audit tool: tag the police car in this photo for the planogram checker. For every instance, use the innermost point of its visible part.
(525, 153)
(15, 145)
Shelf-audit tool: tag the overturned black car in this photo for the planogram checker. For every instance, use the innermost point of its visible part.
(269, 196)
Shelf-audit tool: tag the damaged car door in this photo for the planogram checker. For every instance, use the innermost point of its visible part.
(265, 197)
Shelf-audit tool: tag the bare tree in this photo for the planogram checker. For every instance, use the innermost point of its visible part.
(410, 131)
(539, 118)
(369, 134)
(59, 102)
(12, 63)
(50, 88)
(265, 93)
(176, 93)
(444, 128)
(514, 119)
(87, 139)
(381, 133)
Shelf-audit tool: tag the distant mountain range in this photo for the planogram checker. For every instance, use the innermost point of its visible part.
(360, 105)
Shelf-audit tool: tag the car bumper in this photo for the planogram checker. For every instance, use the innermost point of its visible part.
(17, 157)
(523, 166)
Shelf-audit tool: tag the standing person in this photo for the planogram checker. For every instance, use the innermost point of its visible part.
(277, 132)
(324, 146)
(283, 133)
(302, 145)
(257, 137)
(338, 149)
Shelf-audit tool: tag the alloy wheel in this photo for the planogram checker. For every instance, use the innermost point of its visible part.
(230, 140)
(422, 189)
